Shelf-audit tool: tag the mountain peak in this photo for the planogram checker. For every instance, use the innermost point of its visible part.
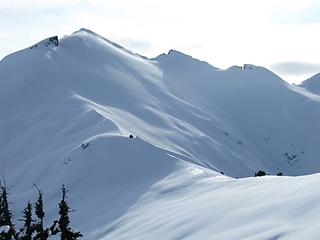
(172, 53)
(176, 52)
(88, 31)
(179, 58)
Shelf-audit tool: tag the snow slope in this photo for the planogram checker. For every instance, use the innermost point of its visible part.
(312, 84)
(68, 107)
(206, 207)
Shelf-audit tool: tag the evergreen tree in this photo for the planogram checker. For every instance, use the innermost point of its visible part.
(66, 232)
(28, 227)
(53, 230)
(61, 226)
(39, 209)
(38, 227)
(6, 215)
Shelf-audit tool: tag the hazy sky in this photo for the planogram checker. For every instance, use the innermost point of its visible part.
(282, 35)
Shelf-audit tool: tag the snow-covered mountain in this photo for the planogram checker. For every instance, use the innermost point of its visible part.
(68, 106)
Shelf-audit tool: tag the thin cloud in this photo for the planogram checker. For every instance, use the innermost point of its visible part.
(5, 35)
(135, 44)
(307, 15)
(296, 68)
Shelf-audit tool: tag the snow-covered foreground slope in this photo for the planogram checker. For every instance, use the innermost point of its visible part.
(203, 207)
(67, 109)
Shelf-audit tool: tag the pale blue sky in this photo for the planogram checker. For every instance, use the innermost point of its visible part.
(280, 35)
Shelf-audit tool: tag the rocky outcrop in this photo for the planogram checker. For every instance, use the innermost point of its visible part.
(51, 41)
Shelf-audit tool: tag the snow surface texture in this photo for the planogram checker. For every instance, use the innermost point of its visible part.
(67, 109)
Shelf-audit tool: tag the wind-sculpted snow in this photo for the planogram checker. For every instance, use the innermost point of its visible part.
(183, 206)
(67, 111)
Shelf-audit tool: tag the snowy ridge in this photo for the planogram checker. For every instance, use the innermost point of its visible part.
(68, 109)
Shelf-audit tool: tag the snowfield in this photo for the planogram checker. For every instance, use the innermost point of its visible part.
(67, 109)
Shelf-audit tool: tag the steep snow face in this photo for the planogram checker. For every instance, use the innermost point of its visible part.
(68, 107)
(252, 111)
(312, 84)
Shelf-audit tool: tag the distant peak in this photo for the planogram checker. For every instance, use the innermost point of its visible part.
(173, 51)
(51, 41)
(175, 55)
(85, 30)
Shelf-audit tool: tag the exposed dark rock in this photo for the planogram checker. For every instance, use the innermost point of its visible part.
(52, 41)
(260, 173)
